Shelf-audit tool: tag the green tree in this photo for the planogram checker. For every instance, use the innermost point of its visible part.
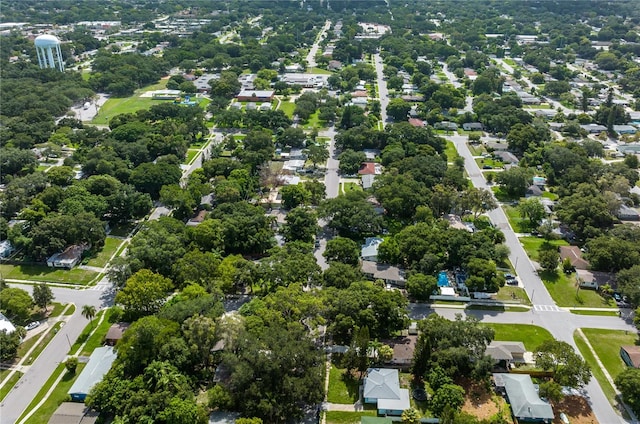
(292, 137)
(143, 293)
(343, 250)
(533, 210)
(548, 258)
(71, 364)
(9, 344)
(410, 416)
(89, 312)
(16, 303)
(551, 390)
(183, 411)
(200, 335)
(449, 395)
(628, 382)
(515, 181)
(42, 295)
(629, 284)
(294, 195)
(569, 369)
(340, 275)
(350, 161)
(301, 225)
(317, 154)
(219, 397)
(351, 215)
(398, 109)
(420, 286)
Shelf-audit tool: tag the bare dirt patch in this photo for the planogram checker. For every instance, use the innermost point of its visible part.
(481, 402)
(576, 408)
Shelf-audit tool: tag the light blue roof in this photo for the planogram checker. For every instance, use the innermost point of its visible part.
(98, 365)
(524, 400)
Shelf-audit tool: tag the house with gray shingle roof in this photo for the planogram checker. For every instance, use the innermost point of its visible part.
(382, 387)
(523, 398)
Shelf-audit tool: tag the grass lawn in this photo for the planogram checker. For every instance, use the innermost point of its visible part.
(476, 149)
(318, 71)
(510, 62)
(482, 162)
(118, 105)
(24, 348)
(607, 344)
(499, 308)
(95, 340)
(513, 293)
(451, 151)
(314, 122)
(531, 335)
(58, 395)
(588, 312)
(345, 187)
(190, 155)
(564, 292)
(101, 259)
(341, 417)
(4, 391)
(46, 274)
(518, 224)
(287, 108)
(501, 195)
(550, 195)
(596, 371)
(532, 245)
(342, 388)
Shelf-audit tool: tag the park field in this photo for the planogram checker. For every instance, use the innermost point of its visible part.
(43, 273)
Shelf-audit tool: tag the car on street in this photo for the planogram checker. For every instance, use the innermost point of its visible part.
(32, 325)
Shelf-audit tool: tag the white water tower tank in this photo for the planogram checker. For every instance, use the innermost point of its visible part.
(48, 51)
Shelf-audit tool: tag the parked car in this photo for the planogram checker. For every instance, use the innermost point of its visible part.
(32, 325)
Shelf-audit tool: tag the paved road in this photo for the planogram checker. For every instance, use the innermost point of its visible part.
(56, 351)
(382, 88)
(332, 185)
(311, 57)
(560, 323)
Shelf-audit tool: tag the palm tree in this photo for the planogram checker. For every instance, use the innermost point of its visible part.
(89, 311)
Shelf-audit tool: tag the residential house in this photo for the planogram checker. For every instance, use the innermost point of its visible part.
(334, 65)
(382, 388)
(255, 96)
(367, 168)
(411, 98)
(523, 398)
(506, 352)
(369, 250)
(115, 333)
(6, 325)
(594, 128)
(495, 146)
(305, 80)
(630, 355)
(359, 93)
(73, 413)
(6, 249)
(367, 180)
(625, 129)
(68, 258)
(197, 219)
(625, 213)
(507, 157)
(446, 125)
(296, 154)
(418, 123)
(295, 165)
(265, 106)
(594, 279)
(472, 126)
(99, 363)
(533, 191)
(391, 275)
(403, 349)
(574, 254)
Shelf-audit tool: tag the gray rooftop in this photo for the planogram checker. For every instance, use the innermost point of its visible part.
(524, 399)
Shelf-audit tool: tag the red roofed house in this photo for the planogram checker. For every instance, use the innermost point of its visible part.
(367, 168)
(416, 122)
(359, 93)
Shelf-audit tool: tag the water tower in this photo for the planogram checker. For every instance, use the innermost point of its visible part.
(48, 51)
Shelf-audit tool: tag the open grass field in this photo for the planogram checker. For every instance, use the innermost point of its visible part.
(46, 274)
(116, 106)
(318, 71)
(596, 370)
(287, 108)
(342, 388)
(501, 195)
(345, 187)
(607, 344)
(513, 293)
(494, 164)
(531, 336)
(519, 224)
(565, 292)
(451, 151)
(532, 245)
(101, 259)
(341, 417)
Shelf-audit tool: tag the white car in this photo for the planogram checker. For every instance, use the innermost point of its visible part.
(32, 325)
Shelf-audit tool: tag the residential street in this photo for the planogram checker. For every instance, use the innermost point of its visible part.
(311, 57)
(56, 351)
(560, 323)
(383, 93)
